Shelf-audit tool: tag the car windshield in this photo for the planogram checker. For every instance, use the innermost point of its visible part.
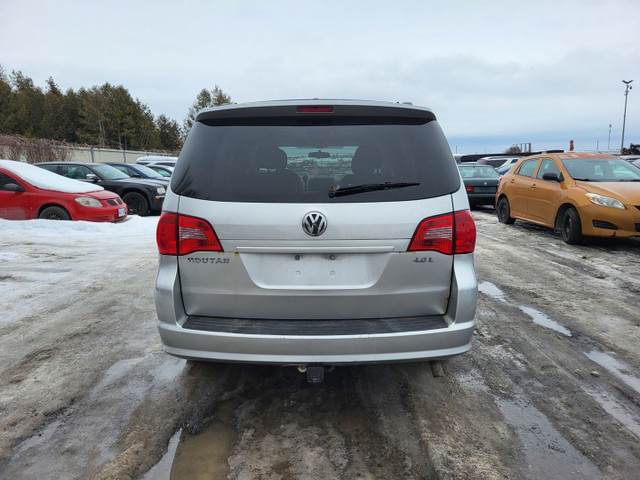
(164, 173)
(148, 172)
(601, 170)
(109, 172)
(483, 171)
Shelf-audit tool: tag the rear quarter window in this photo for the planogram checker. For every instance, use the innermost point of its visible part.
(299, 163)
(527, 168)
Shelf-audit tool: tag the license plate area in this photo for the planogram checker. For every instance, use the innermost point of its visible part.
(314, 270)
(121, 212)
(484, 189)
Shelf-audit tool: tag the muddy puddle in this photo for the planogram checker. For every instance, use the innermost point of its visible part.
(616, 367)
(539, 318)
(491, 290)
(203, 455)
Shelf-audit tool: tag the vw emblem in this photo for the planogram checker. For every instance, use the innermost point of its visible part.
(314, 224)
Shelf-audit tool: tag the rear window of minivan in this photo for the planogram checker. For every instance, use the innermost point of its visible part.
(271, 161)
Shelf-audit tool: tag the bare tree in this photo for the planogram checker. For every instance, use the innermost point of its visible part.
(513, 149)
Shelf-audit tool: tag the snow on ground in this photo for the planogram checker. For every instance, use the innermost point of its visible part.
(31, 250)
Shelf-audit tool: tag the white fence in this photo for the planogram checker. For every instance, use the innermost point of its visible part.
(90, 154)
(38, 150)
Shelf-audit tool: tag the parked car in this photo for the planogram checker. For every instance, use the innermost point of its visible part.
(141, 195)
(139, 171)
(28, 192)
(506, 166)
(157, 160)
(579, 194)
(632, 159)
(480, 182)
(316, 233)
(496, 161)
(164, 170)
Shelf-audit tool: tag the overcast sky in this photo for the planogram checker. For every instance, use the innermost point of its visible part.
(496, 73)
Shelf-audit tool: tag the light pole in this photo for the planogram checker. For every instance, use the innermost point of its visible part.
(624, 117)
(609, 141)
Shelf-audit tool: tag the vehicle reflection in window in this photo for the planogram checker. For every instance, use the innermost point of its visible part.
(601, 170)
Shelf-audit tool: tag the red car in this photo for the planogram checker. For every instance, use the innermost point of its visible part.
(27, 192)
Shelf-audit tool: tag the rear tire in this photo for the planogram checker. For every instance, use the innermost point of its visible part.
(571, 227)
(54, 213)
(504, 211)
(136, 203)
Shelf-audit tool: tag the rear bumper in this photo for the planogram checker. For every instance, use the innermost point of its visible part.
(333, 349)
(482, 198)
(330, 342)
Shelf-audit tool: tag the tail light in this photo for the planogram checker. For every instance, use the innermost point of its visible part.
(314, 109)
(469, 188)
(465, 232)
(449, 234)
(180, 235)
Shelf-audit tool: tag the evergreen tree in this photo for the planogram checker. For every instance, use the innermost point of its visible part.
(146, 135)
(53, 126)
(92, 113)
(106, 116)
(27, 106)
(206, 98)
(169, 132)
(5, 101)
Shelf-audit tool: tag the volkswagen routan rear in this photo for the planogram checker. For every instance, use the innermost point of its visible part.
(316, 233)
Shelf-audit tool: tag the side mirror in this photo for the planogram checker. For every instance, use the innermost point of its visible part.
(552, 177)
(92, 177)
(13, 187)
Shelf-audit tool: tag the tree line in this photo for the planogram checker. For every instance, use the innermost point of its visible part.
(103, 116)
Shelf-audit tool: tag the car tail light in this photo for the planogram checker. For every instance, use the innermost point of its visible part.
(465, 232)
(448, 234)
(468, 188)
(314, 109)
(180, 235)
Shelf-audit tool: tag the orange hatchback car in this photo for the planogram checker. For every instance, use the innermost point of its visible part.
(578, 194)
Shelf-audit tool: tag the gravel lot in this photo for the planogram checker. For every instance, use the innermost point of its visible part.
(550, 389)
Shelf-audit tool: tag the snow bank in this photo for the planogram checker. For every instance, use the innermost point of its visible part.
(61, 232)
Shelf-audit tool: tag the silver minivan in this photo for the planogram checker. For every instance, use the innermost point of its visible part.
(315, 233)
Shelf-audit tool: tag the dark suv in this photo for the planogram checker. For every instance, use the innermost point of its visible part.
(316, 232)
(142, 196)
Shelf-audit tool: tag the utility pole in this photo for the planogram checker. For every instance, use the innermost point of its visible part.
(624, 117)
(609, 141)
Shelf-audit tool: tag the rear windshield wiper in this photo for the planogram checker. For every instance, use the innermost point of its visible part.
(339, 191)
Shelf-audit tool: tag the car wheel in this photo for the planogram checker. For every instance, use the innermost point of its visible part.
(54, 213)
(504, 211)
(571, 227)
(137, 203)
